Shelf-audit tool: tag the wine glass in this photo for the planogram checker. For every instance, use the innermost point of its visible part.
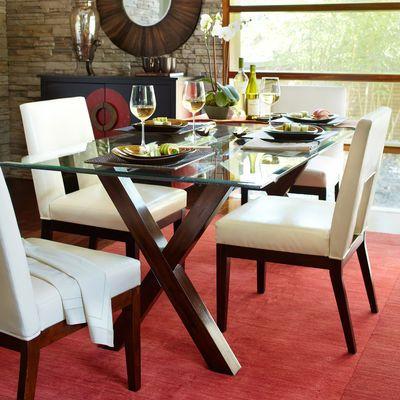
(194, 98)
(270, 93)
(143, 104)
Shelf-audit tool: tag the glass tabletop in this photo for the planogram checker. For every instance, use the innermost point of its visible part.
(225, 163)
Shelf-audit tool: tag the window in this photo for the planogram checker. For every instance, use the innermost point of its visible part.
(354, 43)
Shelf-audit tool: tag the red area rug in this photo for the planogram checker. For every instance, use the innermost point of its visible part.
(289, 341)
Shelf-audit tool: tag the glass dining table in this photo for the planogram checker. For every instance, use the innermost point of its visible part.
(221, 165)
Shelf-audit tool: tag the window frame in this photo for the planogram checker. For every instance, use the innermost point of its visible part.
(389, 6)
(229, 9)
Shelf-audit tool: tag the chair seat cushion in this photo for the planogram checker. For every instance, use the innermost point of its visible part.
(92, 206)
(321, 172)
(293, 225)
(123, 274)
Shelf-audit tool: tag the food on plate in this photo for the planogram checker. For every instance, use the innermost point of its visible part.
(152, 150)
(161, 121)
(168, 149)
(321, 113)
(301, 114)
(293, 127)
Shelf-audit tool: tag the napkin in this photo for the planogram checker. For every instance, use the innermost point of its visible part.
(262, 145)
(92, 282)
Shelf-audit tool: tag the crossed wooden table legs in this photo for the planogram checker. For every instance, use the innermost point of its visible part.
(166, 257)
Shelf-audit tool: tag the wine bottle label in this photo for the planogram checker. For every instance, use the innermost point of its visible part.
(253, 107)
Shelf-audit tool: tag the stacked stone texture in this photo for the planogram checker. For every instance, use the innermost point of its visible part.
(39, 42)
(4, 107)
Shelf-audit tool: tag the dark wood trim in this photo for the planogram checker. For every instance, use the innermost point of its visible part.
(335, 268)
(367, 6)
(128, 301)
(326, 76)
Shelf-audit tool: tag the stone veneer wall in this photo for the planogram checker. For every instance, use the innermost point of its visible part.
(39, 41)
(148, 12)
(4, 109)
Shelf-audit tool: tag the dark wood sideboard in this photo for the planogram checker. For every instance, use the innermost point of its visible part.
(108, 97)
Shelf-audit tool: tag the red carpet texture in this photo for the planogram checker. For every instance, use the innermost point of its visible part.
(289, 341)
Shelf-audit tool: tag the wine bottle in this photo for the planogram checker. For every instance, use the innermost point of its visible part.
(252, 95)
(240, 81)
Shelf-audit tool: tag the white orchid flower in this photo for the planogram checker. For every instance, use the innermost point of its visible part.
(228, 33)
(236, 26)
(205, 23)
(217, 30)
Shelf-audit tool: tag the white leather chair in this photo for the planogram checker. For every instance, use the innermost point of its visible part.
(308, 232)
(55, 128)
(31, 311)
(326, 170)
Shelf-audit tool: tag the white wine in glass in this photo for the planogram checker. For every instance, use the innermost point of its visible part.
(194, 98)
(270, 93)
(143, 104)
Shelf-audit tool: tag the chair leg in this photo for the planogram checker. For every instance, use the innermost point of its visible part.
(261, 272)
(28, 371)
(223, 275)
(132, 341)
(93, 242)
(47, 232)
(131, 249)
(343, 307)
(365, 265)
(337, 187)
(322, 194)
(244, 196)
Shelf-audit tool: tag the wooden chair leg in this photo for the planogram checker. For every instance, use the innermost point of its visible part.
(261, 273)
(132, 341)
(223, 275)
(322, 194)
(343, 307)
(365, 265)
(244, 196)
(93, 242)
(47, 232)
(28, 370)
(132, 250)
(337, 187)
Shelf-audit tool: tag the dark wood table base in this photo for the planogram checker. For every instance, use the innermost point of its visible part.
(165, 260)
(167, 257)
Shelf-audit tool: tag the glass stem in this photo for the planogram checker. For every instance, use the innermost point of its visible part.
(194, 131)
(143, 138)
(270, 115)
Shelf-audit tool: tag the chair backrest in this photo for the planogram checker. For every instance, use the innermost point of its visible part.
(55, 127)
(358, 184)
(18, 313)
(308, 98)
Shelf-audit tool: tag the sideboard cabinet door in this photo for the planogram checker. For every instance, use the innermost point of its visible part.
(108, 97)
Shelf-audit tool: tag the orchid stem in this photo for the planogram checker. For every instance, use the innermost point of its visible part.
(215, 63)
(209, 64)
